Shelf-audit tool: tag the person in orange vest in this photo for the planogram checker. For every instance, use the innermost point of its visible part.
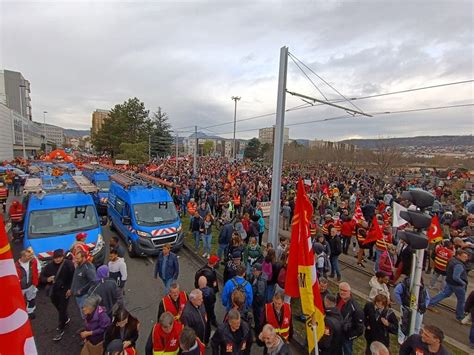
(16, 212)
(442, 254)
(3, 196)
(190, 343)
(314, 227)
(361, 234)
(173, 302)
(381, 245)
(191, 206)
(278, 314)
(328, 222)
(236, 201)
(28, 270)
(164, 337)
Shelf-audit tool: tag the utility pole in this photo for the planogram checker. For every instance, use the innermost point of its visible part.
(278, 149)
(195, 151)
(177, 152)
(234, 149)
(149, 147)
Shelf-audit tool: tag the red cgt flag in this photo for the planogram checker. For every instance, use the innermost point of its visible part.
(374, 233)
(358, 216)
(16, 336)
(434, 232)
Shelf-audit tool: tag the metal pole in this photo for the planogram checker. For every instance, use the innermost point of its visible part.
(44, 130)
(177, 152)
(234, 149)
(278, 149)
(149, 147)
(415, 289)
(195, 151)
(23, 139)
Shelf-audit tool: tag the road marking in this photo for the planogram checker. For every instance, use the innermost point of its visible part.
(150, 260)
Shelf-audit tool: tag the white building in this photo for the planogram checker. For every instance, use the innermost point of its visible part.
(267, 135)
(54, 134)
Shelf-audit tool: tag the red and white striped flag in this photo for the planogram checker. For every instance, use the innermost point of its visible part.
(358, 216)
(16, 336)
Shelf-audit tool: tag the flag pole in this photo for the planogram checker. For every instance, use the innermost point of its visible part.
(315, 334)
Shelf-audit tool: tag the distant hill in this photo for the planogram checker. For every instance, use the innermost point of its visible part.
(420, 141)
(76, 132)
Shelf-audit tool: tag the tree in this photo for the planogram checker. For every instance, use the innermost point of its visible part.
(135, 153)
(207, 147)
(161, 139)
(252, 150)
(127, 122)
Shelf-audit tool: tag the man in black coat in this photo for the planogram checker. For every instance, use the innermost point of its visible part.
(209, 301)
(58, 276)
(194, 315)
(232, 337)
(209, 271)
(331, 342)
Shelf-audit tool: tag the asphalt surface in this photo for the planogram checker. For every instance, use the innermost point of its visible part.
(143, 294)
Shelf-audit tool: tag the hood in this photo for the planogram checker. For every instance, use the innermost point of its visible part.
(102, 273)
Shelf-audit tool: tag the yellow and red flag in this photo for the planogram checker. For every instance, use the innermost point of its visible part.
(434, 232)
(301, 279)
(358, 216)
(16, 336)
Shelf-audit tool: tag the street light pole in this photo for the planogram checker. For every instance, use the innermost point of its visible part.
(22, 128)
(177, 152)
(44, 130)
(234, 152)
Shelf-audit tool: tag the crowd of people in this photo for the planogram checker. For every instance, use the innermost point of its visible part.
(224, 199)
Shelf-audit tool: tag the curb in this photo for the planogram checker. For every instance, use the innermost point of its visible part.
(297, 340)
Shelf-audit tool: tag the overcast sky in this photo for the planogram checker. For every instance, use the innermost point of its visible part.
(190, 57)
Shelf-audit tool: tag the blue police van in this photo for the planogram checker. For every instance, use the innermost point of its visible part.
(100, 178)
(57, 209)
(143, 214)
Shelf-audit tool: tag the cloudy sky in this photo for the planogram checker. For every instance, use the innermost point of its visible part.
(190, 57)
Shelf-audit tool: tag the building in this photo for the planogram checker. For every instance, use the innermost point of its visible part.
(220, 146)
(15, 93)
(267, 135)
(316, 143)
(54, 134)
(98, 118)
(18, 135)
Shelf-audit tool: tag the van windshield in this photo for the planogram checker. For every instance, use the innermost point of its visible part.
(156, 213)
(103, 185)
(61, 221)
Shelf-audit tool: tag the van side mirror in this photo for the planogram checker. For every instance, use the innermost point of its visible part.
(126, 221)
(103, 220)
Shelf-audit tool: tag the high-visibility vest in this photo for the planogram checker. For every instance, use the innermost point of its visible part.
(3, 193)
(282, 329)
(442, 256)
(313, 228)
(361, 234)
(191, 208)
(380, 245)
(236, 199)
(169, 305)
(166, 343)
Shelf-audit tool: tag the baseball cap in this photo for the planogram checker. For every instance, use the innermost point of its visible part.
(213, 259)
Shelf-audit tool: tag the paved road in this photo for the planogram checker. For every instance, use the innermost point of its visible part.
(142, 298)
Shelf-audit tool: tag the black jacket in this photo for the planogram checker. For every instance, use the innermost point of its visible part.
(224, 339)
(375, 330)
(331, 344)
(130, 332)
(63, 280)
(335, 245)
(405, 257)
(107, 290)
(196, 318)
(226, 234)
(353, 319)
(211, 276)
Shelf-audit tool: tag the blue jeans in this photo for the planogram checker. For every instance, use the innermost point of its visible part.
(197, 240)
(460, 293)
(167, 285)
(220, 250)
(80, 302)
(269, 293)
(378, 254)
(334, 260)
(347, 347)
(418, 323)
(206, 238)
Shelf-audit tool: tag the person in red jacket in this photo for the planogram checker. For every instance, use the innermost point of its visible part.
(16, 212)
(3, 196)
(164, 337)
(347, 229)
(27, 268)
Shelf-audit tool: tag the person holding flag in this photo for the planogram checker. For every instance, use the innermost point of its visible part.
(301, 280)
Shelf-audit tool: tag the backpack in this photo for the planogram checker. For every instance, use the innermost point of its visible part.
(240, 287)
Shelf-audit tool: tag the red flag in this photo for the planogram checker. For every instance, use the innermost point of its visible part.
(434, 233)
(16, 336)
(358, 216)
(374, 232)
(301, 279)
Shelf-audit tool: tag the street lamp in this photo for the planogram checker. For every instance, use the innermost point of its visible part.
(21, 112)
(235, 98)
(44, 129)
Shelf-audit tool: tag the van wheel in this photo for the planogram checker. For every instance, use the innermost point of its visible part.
(131, 249)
